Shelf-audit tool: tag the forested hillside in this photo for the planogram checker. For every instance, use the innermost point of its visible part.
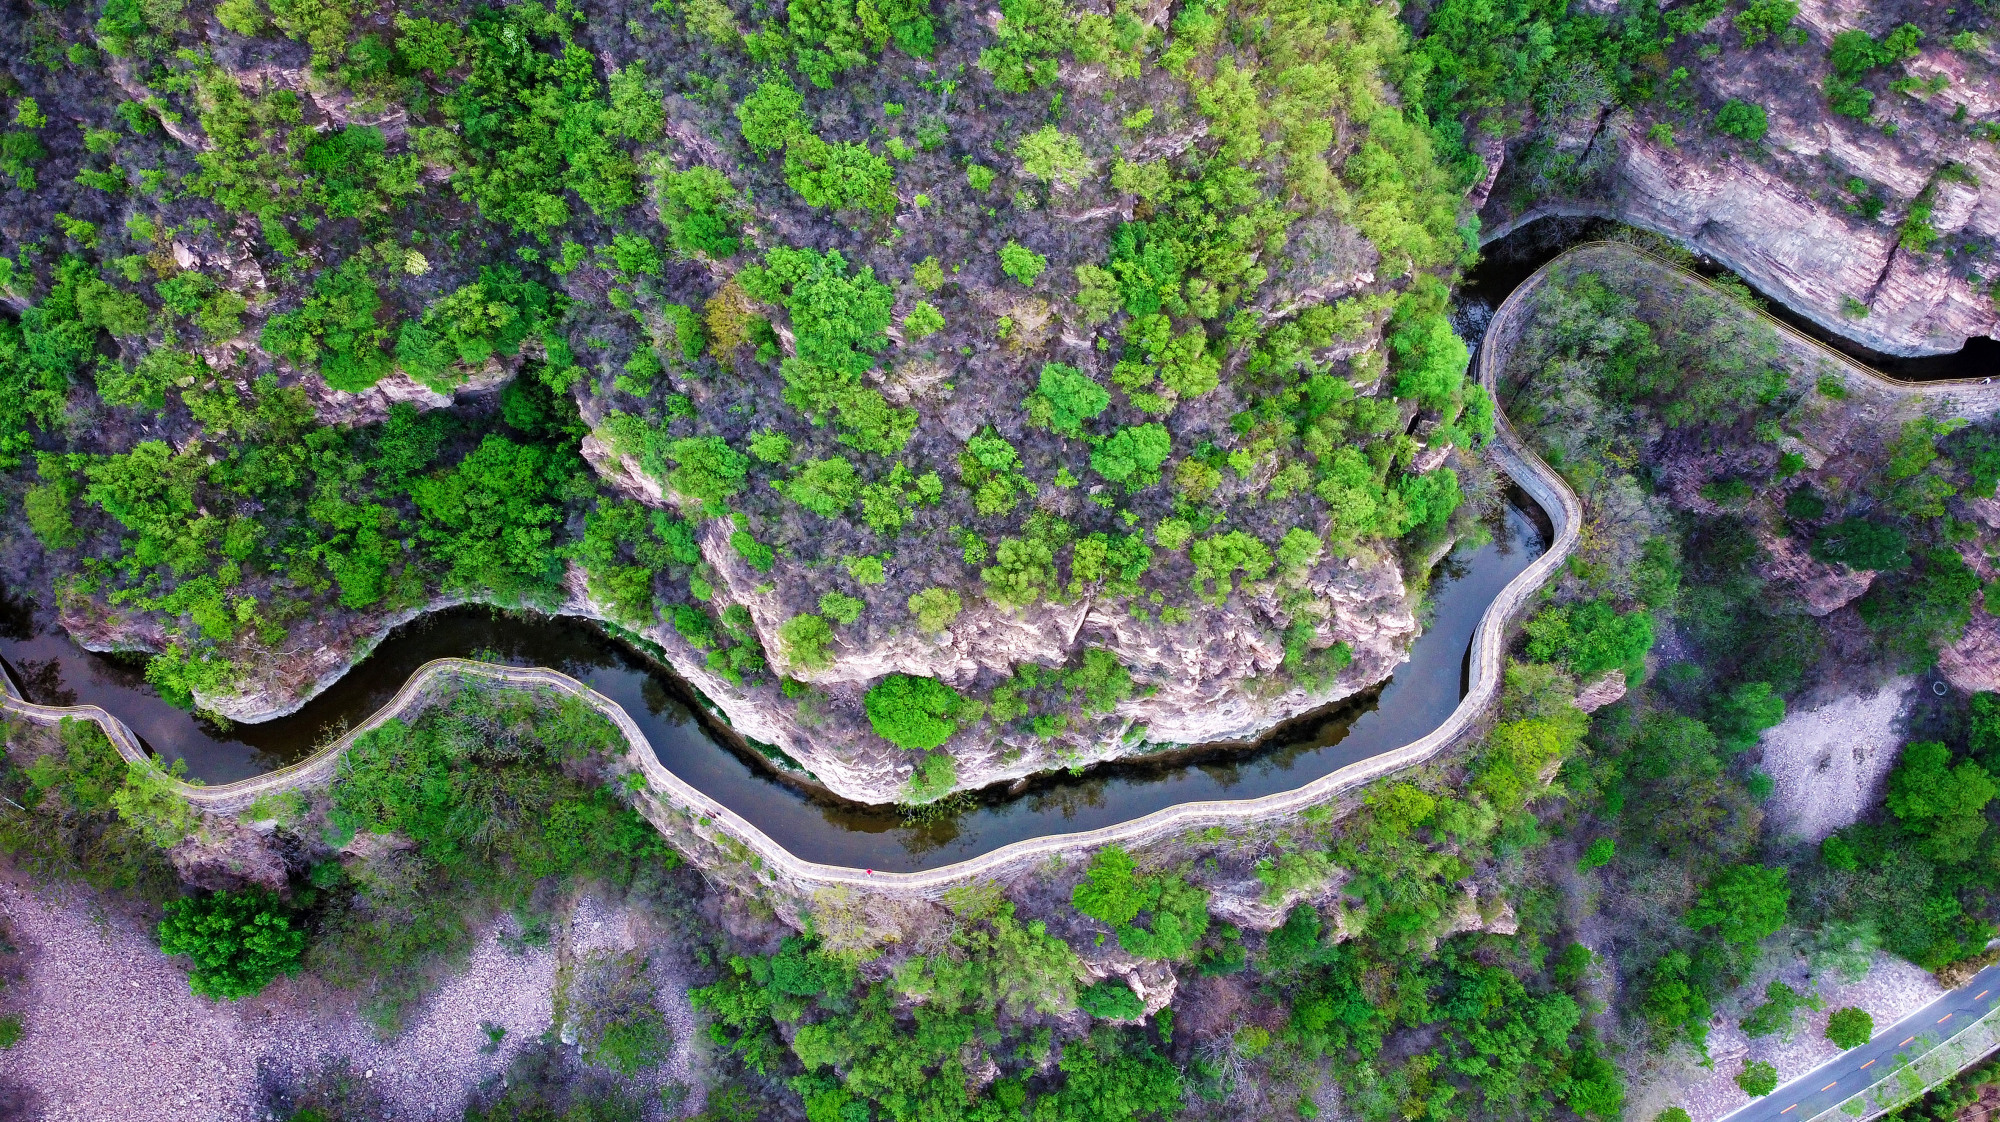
(951, 396)
(831, 349)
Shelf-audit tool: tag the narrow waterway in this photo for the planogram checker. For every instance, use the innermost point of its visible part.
(1506, 262)
(695, 746)
(1423, 692)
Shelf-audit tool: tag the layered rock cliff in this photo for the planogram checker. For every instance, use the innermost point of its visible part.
(1819, 211)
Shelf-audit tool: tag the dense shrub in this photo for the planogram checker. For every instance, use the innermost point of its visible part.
(1111, 1000)
(1850, 1027)
(911, 712)
(238, 941)
(1742, 119)
(1861, 544)
(1591, 638)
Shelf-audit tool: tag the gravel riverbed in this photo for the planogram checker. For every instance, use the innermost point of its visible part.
(113, 1032)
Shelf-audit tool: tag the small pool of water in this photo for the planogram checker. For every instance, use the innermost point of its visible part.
(51, 670)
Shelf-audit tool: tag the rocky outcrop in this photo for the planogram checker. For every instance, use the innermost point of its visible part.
(1973, 663)
(1823, 588)
(1604, 691)
(1807, 251)
(223, 856)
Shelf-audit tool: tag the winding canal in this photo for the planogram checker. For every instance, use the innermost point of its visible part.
(1421, 696)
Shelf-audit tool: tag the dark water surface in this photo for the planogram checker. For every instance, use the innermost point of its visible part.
(1505, 262)
(52, 670)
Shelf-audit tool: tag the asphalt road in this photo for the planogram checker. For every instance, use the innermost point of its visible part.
(1855, 1070)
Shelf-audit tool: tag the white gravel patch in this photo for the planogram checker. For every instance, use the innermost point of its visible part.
(1829, 763)
(112, 1031)
(1892, 990)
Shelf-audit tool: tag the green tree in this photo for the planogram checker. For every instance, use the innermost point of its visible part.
(1022, 263)
(492, 519)
(1742, 119)
(825, 487)
(1111, 1000)
(1742, 716)
(1781, 1005)
(1860, 544)
(238, 941)
(1023, 571)
(462, 331)
(805, 639)
(1065, 399)
(1110, 892)
(922, 322)
(1942, 805)
(1133, 455)
(1591, 638)
(1426, 355)
(773, 115)
(832, 36)
(1757, 1078)
(701, 211)
(1745, 903)
(843, 176)
(839, 321)
(1597, 854)
(1850, 1027)
(1217, 558)
(935, 609)
(706, 469)
(911, 712)
(1982, 735)
(1054, 157)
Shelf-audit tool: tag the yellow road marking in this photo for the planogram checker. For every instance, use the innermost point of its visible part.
(1980, 994)
(1944, 1018)
(1866, 1066)
(1905, 1042)
(1831, 1085)
(1789, 1109)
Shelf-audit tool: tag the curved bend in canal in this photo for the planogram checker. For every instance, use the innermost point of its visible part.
(1421, 695)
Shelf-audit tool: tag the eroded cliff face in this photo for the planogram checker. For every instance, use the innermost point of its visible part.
(1782, 213)
(1199, 682)
(1206, 681)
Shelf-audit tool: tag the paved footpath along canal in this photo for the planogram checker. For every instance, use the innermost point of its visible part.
(1851, 1072)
